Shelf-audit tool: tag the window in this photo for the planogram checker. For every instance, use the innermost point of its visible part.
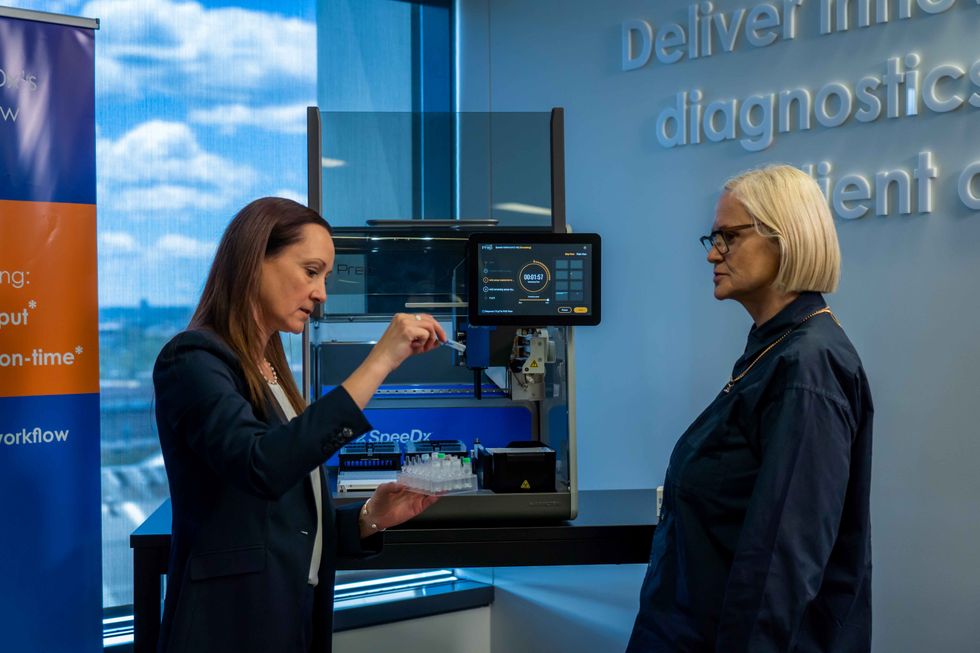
(200, 108)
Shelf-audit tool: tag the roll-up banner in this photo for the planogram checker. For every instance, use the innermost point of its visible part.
(50, 516)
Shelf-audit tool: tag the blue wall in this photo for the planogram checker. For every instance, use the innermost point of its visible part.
(907, 296)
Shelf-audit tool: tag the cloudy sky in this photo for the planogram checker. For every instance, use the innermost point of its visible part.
(200, 108)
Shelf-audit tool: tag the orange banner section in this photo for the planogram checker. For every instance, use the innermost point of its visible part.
(49, 337)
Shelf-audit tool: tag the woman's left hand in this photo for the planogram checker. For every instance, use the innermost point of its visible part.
(392, 504)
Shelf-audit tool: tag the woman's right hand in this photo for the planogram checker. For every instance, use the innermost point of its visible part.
(407, 335)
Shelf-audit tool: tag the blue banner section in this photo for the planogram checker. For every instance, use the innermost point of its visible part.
(494, 426)
(47, 112)
(50, 515)
(50, 570)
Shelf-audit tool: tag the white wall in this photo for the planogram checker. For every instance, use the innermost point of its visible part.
(907, 299)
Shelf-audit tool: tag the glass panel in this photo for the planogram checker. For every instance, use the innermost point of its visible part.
(493, 165)
(382, 273)
(505, 167)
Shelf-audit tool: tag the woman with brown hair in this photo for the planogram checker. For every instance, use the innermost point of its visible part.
(255, 533)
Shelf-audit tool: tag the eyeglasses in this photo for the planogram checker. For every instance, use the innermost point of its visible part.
(719, 238)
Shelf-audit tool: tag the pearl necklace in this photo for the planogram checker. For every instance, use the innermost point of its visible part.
(275, 377)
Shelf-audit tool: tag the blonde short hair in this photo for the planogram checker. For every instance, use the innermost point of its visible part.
(791, 209)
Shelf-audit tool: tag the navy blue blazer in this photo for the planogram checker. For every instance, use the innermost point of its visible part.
(244, 516)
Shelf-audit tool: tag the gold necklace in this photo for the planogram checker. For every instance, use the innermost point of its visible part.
(735, 379)
(275, 377)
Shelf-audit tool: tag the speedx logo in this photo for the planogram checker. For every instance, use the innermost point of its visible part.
(414, 435)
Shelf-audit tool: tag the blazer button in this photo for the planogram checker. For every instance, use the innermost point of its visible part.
(347, 432)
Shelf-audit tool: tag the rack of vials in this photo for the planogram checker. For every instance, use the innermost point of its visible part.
(438, 473)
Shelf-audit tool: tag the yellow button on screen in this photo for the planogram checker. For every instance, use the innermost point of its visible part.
(581, 309)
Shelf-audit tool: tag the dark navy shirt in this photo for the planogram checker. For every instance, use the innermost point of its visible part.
(764, 540)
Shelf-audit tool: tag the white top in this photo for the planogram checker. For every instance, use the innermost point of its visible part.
(287, 408)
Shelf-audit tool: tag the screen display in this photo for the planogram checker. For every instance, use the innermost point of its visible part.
(534, 279)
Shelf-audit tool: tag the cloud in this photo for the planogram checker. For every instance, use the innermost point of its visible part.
(286, 119)
(120, 245)
(160, 166)
(171, 198)
(165, 151)
(54, 6)
(179, 48)
(184, 247)
(291, 194)
(117, 243)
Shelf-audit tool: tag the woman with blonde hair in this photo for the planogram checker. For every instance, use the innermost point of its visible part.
(256, 536)
(764, 537)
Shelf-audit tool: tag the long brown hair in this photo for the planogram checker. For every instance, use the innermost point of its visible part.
(228, 303)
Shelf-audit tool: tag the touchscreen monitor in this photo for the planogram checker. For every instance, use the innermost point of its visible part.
(534, 279)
